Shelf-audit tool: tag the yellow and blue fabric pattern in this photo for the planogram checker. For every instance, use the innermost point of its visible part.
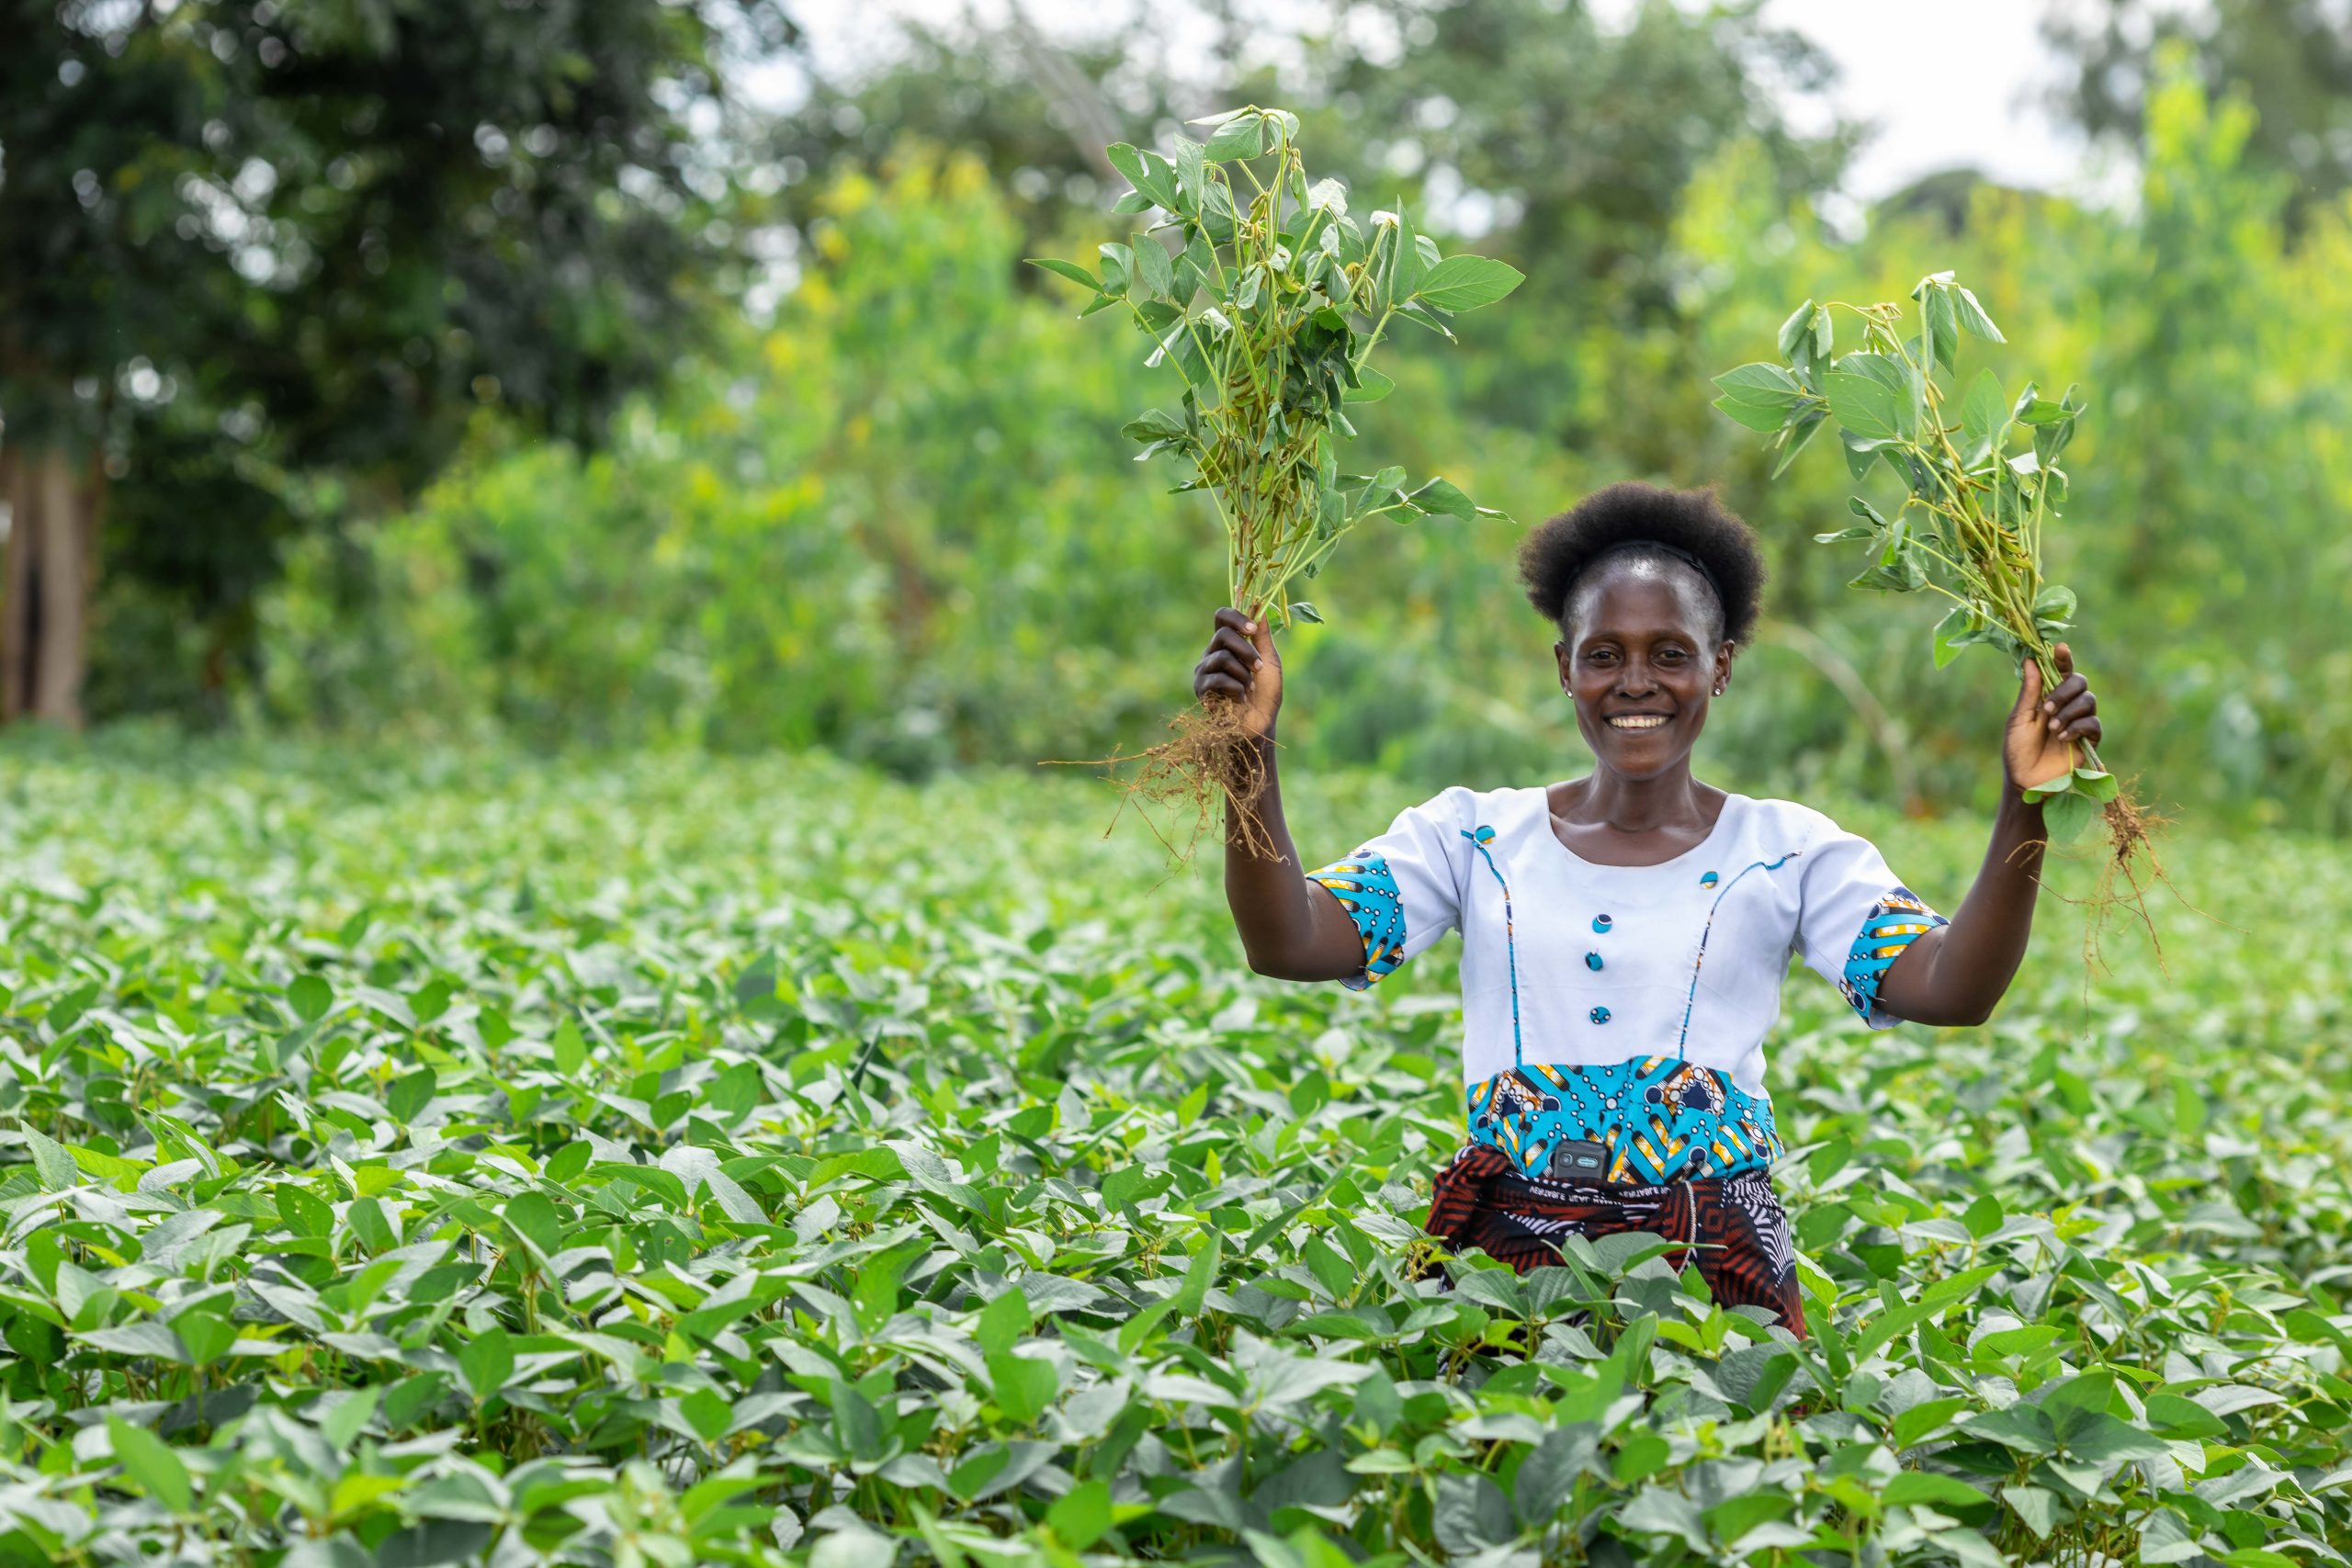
(1367, 890)
(1894, 922)
(1656, 1119)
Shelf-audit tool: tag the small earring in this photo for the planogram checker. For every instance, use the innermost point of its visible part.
(1719, 691)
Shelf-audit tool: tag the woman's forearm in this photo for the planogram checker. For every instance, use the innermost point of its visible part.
(1958, 974)
(1290, 928)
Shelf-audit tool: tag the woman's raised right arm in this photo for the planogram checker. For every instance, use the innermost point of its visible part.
(1290, 928)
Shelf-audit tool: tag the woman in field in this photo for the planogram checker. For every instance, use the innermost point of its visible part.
(1625, 934)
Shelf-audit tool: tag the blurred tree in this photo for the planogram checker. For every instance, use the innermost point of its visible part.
(2292, 57)
(1563, 142)
(1036, 112)
(242, 237)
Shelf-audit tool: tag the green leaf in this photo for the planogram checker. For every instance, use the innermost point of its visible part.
(1926, 1418)
(1796, 332)
(1152, 262)
(486, 1360)
(533, 1219)
(2095, 782)
(1797, 435)
(1983, 419)
(150, 1462)
(1465, 283)
(1080, 1516)
(1406, 265)
(1439, 496)
(1243, 136)
(2054, 604)
(1759, 396)
(2067, 815)
(1973, 317)
(1002, 1322)
(1025, 1386)
(1071, 270)
(570, 1049)
(310, 997)
(1866, 407)
(2178, 1417)
(53, 1167)
(1899, 572)
(2035, 1506)
(1370, 387)
(1925, 1486)
(1943, 333)
(1762, 419)
(301, 1212)
(1303, 611)
(1186, 1302)
(1952, 634)
(410, 1093)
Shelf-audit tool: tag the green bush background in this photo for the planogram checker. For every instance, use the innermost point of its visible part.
(901, 523)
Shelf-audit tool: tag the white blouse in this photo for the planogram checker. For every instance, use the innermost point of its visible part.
(1567, 964)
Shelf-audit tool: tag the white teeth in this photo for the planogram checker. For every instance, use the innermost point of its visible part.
(1636, 721)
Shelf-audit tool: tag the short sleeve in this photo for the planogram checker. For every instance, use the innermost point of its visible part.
(1857, 920)
(1402, 888)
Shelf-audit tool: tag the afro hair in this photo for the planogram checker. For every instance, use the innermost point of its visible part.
(1554, 557)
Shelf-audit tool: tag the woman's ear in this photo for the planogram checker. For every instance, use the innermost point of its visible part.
(1723, 667)
(1560, 657)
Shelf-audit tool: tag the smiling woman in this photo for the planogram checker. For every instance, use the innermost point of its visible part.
(1625, 934)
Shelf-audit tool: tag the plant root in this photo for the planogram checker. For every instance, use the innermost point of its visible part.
(1211, 758)
(2129, 870)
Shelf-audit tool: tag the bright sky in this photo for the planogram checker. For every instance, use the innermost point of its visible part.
(1945, 82)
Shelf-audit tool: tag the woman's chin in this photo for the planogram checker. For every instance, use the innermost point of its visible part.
(1640, 756)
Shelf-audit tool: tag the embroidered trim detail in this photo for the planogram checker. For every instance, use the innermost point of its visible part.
(1367, 890)
(1479, 841)
(1656, 1118)
(1894, 922)
(1682, 1041)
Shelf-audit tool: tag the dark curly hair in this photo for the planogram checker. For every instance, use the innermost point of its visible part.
(1690, 524)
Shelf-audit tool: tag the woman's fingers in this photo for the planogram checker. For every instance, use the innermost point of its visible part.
(1228, 639)
(2069, 692)
(1225, 662)
(2070, 719)
(1220, 685)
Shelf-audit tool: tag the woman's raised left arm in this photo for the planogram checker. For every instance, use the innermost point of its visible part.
(1956, 974)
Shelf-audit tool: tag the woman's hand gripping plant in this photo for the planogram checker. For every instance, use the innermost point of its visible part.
(1268, 299)
(1983, 482)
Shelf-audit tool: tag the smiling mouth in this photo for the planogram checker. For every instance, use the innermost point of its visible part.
(1637, 721)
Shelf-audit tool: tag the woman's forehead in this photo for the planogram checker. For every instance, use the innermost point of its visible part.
(1639, 596)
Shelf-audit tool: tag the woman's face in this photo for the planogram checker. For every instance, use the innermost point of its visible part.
(1640, 660)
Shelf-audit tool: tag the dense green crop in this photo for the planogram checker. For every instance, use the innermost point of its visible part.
(450, 1161)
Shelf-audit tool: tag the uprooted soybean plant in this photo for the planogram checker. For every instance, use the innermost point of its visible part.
(1981, 481)
(1268, 299)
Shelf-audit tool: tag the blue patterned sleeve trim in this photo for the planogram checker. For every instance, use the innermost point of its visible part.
(1894, 922)
(1367, 889)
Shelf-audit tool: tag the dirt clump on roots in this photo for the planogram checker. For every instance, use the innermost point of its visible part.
(1211, 759)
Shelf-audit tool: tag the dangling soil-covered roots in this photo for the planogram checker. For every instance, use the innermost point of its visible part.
(1268, 299)
(1211, 760)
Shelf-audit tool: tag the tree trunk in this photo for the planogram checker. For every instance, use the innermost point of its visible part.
(16, 580)
(45, 587)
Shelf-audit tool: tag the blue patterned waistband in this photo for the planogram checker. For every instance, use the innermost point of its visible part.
(1656, 1119)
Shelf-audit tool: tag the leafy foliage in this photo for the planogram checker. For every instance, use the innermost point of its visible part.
(441, 1157)
(1269, 310)
(1976, 537)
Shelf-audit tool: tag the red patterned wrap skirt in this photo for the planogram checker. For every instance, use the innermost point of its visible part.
(1732, 1226)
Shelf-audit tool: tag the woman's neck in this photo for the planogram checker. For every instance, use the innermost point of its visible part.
(1639, 806)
